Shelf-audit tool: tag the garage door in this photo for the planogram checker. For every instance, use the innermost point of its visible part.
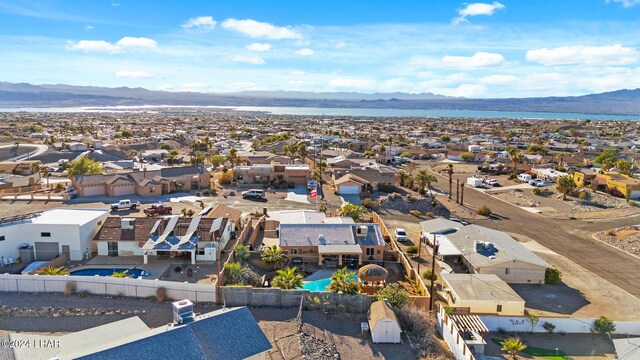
(47, 250)
(123, 190)
(93, 190)
(349, 190)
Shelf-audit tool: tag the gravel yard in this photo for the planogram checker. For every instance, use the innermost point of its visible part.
(625, 238)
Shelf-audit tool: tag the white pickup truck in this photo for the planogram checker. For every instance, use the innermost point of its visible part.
(125, 204)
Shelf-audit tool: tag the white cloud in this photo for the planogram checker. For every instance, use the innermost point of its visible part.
(137, 42)
(297, 73)
(165, 87)
(249, 59)
(94, 46)
(499, 79)
(300, 83)
(242, 86)
(257, 29)
(89, 27)
(625, 3)
(476, 61)
(304, 52)
(193, 86)
(259, 47)
(341, 45)
(352, 83)
(132, 74)
(588, 55)
(476, 9)
(200, 22)
(464, 90)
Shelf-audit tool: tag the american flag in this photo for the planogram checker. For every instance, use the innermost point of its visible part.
(313, 194)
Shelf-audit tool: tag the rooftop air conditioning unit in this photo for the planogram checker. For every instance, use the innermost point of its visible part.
(127, 223)
(182, 311)
(321, 239)
(362, 230)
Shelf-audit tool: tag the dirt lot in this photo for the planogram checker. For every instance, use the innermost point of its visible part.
(626, 239)
(581, 293)
(575, 346)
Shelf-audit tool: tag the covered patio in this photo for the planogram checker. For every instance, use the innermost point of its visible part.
(170, 244)
(331, 251)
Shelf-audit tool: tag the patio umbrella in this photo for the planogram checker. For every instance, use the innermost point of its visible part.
(372, 273)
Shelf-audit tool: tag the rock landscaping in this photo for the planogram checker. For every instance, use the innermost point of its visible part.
(316, 349)
(405, 204)
(50, 311)
(624, 238)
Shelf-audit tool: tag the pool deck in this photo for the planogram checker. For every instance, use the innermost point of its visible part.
(319, 275)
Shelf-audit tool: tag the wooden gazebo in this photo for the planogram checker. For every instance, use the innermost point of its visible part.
(372, 278)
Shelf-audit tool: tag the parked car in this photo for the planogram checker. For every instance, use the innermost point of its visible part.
(253, 193)
(158, 209)
(525, 178)
(125, 204)
(537, 183)
(312, 184)
(492, 182)
(401, 235)
(459, 221)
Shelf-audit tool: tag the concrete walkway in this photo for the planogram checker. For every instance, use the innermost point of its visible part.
(627, 348)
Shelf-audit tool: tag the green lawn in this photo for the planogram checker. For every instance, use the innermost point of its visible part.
(549, 354)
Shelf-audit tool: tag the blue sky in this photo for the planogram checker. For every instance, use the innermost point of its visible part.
(501, 48)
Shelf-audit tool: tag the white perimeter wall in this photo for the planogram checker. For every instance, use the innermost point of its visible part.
(104, 285)
(568, 325)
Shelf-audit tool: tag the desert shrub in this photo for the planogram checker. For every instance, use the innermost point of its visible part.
(151, 298)
(161, 294)
(411, 198)
(233, 273)
(59, 186)
(429, 214)
(226, 178)
(611, 233)
(632, 203)
(428, 275)
(415, 213)
(394, 196)
(512, 176)
(395, 294)
(582, 195)
(69, 288)
(484, 210)
(603, 325)
(537, 191)
(416, 324)
(552, 276)
(549, 327)
(388, 188)
(82, 294)
(412, 249)
(370, 204)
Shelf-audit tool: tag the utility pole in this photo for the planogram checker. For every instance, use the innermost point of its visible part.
(419, 256)
(457, 191)
(433, 269)
(218, 288)
(462, 194)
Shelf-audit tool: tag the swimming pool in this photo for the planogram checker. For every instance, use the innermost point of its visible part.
(135, 273)
(321, 285)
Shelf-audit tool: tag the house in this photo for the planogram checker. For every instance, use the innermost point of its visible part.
(297, 174)
(488, 251)
(584, 177)
(550, 175)
(196, 239)
(484, 294)
(143, 183)
(154, 155)
(228, 333)
(350, 184)
(619, 185)
(314, 237)
(383, 324)
(21, 167)
(78, 147)
(457, 156)
(373, 173)
(51, 233)
(261, 157)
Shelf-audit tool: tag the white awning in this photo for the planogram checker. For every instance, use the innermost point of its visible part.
(446, 247)
(339, 249)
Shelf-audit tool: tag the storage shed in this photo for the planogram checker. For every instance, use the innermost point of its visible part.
(383, 323)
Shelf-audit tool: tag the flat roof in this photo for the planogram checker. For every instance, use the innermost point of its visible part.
(480, 287)
(69, 216)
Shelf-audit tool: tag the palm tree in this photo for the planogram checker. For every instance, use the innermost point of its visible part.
(516, 158)
(565, 185)
(424, 179)
(233, 156)
(512, 346)
(623, 166)
(274, 256)
(356, 212)
(287, 279)
(342, 281)
(402, 177)
(242, 253)
(51, 270)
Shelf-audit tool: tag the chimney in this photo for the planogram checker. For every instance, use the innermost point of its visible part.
(182, 311)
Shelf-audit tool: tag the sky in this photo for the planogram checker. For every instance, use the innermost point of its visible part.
(517, 48)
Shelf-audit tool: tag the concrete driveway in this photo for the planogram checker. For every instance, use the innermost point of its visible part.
(352, 199)
(298, 194)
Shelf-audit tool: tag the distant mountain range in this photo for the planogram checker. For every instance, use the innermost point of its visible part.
(12, 95)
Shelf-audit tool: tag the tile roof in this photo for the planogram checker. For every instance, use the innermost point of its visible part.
(111, 229)
(329, 234)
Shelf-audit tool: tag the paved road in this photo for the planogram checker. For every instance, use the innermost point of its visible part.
(569, 238)
(39, 150)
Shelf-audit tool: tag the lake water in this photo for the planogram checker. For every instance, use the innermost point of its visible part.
(356, 112)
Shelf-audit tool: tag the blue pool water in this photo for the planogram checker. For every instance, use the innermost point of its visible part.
(321, 285)
(135, 273)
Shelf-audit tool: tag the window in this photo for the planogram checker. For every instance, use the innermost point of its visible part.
(369, 251)
(379, 252)
(499, 308)
(1, 237)
(294, 251)
(507, 271)
(45, 234)
(152, 189)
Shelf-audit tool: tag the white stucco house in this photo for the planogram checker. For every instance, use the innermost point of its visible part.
(52, 232)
